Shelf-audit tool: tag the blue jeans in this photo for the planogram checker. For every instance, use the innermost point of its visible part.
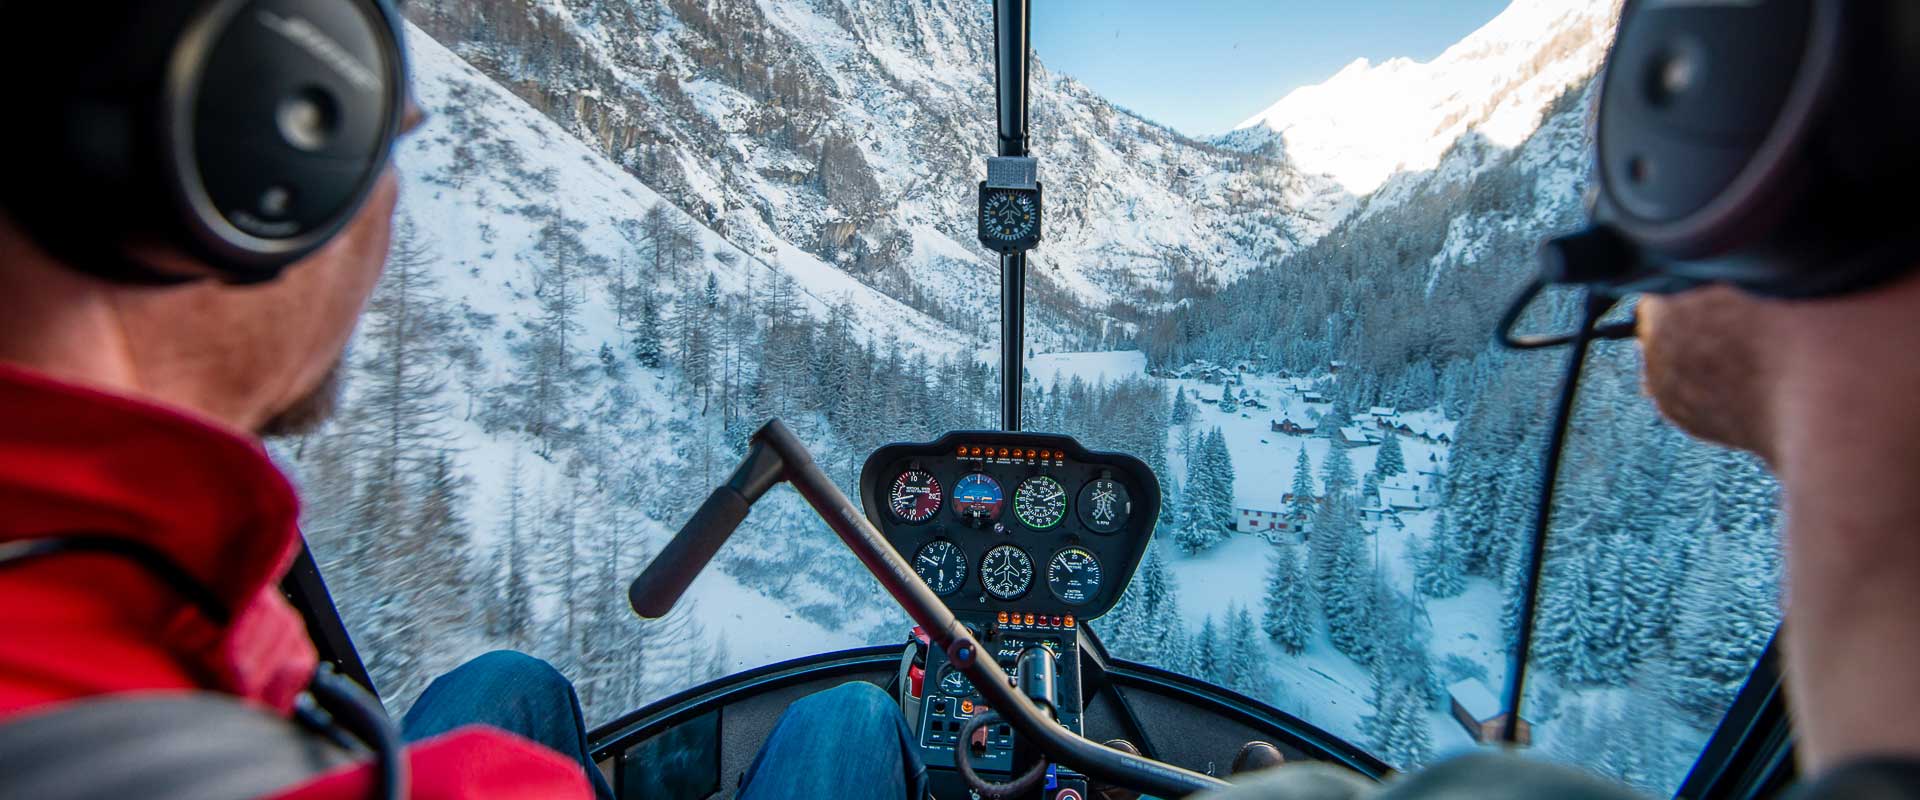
(848, 742)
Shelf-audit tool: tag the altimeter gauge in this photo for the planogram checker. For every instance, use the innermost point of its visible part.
(1006, 572)
(1040, 502)
(915, 496)
(942, 566)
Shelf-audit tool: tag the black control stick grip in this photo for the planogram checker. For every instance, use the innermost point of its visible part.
(673, 570)
(661, 584)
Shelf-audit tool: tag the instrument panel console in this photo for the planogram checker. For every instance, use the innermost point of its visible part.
(1014, 523)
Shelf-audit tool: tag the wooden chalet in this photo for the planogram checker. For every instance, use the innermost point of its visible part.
(1478, 711)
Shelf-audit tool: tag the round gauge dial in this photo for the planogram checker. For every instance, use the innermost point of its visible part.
(1104, 505)
(1007, 571)
(954, 682)
(977, 498)
(1073, 576)
(915, 496)
(941, 564)
(1040, 503)
(1010, 215)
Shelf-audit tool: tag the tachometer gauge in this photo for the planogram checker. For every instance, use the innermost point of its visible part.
(1040, 502)
(1104, 506)
(954, 682)
(941, 564)
(977, 498)
(1007, 571)
(915, 496)
(1073, 576)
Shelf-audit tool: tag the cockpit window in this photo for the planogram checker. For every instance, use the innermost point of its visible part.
(629, 236)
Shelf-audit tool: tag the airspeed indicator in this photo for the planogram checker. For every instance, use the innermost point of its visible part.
(1040, 502)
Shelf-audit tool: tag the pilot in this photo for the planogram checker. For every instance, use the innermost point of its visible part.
(145, 650)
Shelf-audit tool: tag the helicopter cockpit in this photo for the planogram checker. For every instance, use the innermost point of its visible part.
(1253, 472)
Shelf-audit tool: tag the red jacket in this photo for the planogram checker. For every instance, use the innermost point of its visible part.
(73, 460)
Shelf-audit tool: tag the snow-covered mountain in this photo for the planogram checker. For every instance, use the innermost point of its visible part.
(856, 130)
(1371, 121)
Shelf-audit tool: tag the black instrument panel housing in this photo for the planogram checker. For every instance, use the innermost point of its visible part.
(1118, 553)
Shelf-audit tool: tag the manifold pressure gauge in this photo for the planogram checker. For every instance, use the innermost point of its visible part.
(1010, 205)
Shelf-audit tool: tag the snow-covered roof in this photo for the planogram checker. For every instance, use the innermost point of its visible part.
(1406, 497)
(1357, 434)
(1404, 481)
(1381, 411)
(1475, 698)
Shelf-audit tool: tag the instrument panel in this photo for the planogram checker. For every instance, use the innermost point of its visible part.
(999, 522)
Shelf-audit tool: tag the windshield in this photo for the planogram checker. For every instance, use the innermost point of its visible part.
(631, 233)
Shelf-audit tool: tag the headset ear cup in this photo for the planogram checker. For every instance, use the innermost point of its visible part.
(280, 118)
(220, 138)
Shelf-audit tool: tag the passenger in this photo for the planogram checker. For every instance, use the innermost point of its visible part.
(134, 413)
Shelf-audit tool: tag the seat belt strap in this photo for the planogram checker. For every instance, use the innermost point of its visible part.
(162, 746)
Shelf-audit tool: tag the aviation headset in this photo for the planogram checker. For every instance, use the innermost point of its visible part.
(1756, 143)
(175, 140)
(159, 141)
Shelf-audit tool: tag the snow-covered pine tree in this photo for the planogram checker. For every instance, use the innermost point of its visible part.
(1146, 628)
(1209, 653)
(1227, 401)
(1336, 473)
(1245, 671)
(1181, 415)
(1288, 619)
(1390, 461)
(1726, 617)
(1301, 506)
(1222, 477)
(1436, 569)
(1346, 593)
(647, 347)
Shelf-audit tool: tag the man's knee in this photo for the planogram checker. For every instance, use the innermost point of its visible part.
(857, 698)
(510, 669)
(852, 708)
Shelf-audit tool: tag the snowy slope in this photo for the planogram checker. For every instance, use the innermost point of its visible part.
(553, 168)
(1371, 121)
(856, 130)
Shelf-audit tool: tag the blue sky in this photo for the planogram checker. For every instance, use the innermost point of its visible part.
(1203, 66)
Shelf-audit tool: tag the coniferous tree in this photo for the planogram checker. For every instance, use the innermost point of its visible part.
(647, 347)
(1436, 567)
(1390, 461)
(1288, 619)
(1346, 586)
(1181, 415)
(1244, 670)
(1209, 653)
(1301, 507)
(1336, 473)
(1227, 401)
